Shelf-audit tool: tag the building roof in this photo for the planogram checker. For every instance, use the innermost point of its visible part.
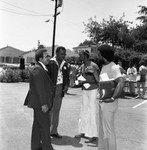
(9, 51)
(84, 46)
(69, 53)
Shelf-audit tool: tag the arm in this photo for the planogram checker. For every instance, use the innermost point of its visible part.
(128, 71)
(118, 90)
(66, 81)
(96, 74)
(38, 81)
(119, 84)
(135, 71)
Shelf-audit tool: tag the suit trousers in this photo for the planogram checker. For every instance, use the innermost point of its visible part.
(40, 139)
(54, 114)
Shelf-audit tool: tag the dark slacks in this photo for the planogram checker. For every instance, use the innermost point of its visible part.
(55, 112)
(40, 139)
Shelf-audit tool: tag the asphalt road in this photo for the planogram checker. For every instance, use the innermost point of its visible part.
(16, 121)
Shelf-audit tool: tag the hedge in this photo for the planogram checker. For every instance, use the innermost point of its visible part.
(14, 75)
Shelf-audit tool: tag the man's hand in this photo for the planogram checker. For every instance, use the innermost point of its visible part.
(65, 89)
(44, 108)
(90, 69)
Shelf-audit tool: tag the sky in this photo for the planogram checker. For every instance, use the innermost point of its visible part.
(22, 22)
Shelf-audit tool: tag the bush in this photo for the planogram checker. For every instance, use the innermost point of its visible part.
(127, 56)
(10, 75)
(14, 75)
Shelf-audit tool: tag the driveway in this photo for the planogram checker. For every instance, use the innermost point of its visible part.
(16, 121)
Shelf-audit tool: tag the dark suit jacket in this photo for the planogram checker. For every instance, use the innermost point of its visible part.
(41, 88)
(53, 73)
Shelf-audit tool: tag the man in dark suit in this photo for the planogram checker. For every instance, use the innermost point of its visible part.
(58, 70)
(40, 98)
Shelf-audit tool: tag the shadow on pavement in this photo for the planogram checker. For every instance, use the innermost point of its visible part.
(66, 140)
(126, 98)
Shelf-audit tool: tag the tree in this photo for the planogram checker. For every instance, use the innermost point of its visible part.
(118, 32)
(127, 56)
(86, 42)
(143, 14)
(94, 30)
(126, 39)
(140, 32)
(112, 31)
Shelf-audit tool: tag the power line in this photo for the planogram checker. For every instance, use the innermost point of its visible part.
(19, 7)
(20, 13)
(14, 11)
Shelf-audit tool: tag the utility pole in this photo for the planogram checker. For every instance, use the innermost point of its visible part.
(54, 29)
(58, 3)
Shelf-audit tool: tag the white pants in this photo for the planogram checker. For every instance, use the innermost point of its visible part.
(87, 120)
(107, 138)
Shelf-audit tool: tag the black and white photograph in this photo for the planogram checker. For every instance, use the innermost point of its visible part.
(73, 75)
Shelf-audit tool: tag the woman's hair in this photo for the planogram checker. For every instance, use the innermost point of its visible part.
(107, 52)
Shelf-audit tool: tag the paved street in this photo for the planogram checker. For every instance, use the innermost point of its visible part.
(16, 121)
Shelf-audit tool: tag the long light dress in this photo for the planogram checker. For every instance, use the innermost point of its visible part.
(87, 120)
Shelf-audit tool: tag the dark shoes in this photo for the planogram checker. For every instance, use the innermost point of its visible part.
(82, 135)
(90, 140)
(56, 135)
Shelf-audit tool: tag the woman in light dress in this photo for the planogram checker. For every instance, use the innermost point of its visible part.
(87, 125)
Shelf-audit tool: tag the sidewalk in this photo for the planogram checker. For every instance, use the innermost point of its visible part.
(16, 122)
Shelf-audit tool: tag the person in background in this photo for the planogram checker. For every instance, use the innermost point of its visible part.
(142, 80)
(58, 70)
(3, 70)
(108, 107)
(132, 73)
(87, 122)
(123, 72)
(72, 74)
(39, 98)
(32, 64)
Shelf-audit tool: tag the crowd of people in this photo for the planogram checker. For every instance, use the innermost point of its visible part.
(135, 79)
(49, 81)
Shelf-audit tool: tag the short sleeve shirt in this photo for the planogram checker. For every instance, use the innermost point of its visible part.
(90, 77)
(143, 70)
(109, 72)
